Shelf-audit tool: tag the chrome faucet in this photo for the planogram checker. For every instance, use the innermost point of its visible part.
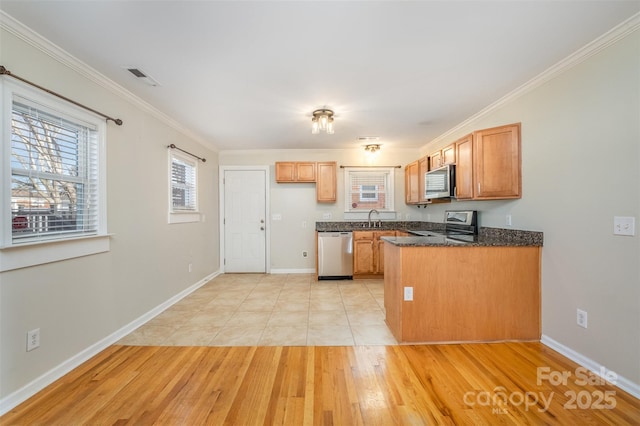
(371, 211)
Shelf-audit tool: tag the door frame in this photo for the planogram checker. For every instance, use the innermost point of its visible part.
(221, 191)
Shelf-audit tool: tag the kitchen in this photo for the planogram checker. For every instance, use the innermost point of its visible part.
(565, 194)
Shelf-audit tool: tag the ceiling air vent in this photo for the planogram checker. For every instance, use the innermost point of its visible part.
(368, 138)
(142, 76)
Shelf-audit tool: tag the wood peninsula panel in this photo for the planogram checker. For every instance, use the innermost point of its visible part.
(463, 293)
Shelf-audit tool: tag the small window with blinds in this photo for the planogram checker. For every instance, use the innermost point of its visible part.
(367, 189)
(183, 184)
(54, 174)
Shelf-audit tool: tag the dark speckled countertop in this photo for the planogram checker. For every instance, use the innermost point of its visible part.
(496, 237)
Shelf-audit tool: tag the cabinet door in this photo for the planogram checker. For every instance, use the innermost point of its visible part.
(285, 171)
(363, 256)
(306, 172)
(423, 168)
(411, 185)
(497, 162)
(326, 182)
(435, 160)
(449, 154)
(464, 168)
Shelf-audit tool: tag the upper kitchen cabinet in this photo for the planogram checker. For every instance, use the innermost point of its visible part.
(411, 183)
(326, 182)
(464, 168)
(446, 155)
(295, 171)
(497, 163)
(423, 168)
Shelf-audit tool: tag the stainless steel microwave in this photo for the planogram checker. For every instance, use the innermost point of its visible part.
(441, 182)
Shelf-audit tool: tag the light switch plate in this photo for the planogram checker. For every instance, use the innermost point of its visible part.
(276, 216)
(408, 294)
(624, 225)
(326, 216)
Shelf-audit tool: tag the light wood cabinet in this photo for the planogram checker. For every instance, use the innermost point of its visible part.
(295, 171)
(362, 252)
(446, 155)
(497, 163)
(423, 168)
(368, 252)
(411, 183)
(326, 185)
(482, 294)
(464, 168)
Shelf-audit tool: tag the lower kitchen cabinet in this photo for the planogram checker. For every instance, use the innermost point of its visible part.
(368, 253)
(462, 294)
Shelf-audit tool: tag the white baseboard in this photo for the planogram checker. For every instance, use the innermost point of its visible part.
(30, 389)
(596, 368)
(293, 271)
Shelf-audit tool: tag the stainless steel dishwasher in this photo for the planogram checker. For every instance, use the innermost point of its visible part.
(335, 255)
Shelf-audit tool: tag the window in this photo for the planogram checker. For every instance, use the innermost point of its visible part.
(368, 193)
(54, 174)
(184, 189)
(367, 189)
(54, 182)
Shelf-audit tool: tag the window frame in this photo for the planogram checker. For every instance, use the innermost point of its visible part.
(15, 255)
(183, 215)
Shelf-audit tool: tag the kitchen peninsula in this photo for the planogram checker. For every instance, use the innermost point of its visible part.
(438, 289)
(484, 287)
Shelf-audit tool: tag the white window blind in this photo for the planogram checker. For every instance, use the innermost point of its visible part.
(54, 174)
(368, 189)
(183, 184)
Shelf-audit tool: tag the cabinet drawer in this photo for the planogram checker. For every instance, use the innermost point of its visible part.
(363, 235)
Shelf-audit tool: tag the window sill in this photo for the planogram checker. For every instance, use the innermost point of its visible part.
(33, 254)
(184, 217)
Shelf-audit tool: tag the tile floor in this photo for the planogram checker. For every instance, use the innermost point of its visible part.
(272, 310)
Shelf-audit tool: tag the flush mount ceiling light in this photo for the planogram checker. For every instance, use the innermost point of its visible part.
(322, 120)
(373, 147)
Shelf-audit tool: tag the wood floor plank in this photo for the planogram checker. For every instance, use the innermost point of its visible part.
(467, 384)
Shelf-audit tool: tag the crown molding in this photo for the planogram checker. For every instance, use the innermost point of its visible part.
(31, 37)
(604, 41)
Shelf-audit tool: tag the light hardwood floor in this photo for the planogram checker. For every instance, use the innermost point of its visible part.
(469, 384)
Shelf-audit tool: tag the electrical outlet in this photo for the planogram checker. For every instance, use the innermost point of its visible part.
(582, 318)
(408, 294)
(508, 220)
(326, 216)
(305, 253)
(624, 225)
(33, 339)
(190, 267)
(304, 223)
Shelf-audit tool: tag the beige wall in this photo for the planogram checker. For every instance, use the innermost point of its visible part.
(78, 302)
(580, 168)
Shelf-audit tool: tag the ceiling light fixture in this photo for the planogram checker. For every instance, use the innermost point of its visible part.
(372, 147)
(322, 120)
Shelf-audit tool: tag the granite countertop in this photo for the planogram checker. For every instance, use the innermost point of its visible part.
(496, 237)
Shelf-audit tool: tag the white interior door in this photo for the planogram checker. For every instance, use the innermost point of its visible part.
(245, 211)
